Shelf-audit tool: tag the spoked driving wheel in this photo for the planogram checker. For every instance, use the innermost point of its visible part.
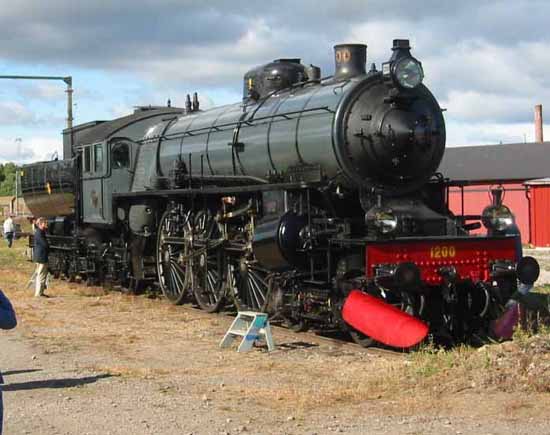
(252, 286)
(173, 247)
(208, 262)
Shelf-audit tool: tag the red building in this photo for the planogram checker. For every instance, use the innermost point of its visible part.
(539, 229)
(522, 170)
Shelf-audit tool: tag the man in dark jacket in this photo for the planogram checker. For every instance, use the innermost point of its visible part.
(40, 255)
(7, 321)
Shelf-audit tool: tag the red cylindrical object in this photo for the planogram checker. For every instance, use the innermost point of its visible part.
(381, 321)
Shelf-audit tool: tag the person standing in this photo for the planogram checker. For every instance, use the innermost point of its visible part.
(9, 231)
(7, 321)
(40, 255)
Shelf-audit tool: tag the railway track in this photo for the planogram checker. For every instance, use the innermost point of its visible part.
(288, 339)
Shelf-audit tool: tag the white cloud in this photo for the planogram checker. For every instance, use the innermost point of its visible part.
(221, 62)
(485, 133)
(480, 107)
(14, 113)
(485, 61)
(120, 110)
(29, 149)
(50, 91)
(476, 65)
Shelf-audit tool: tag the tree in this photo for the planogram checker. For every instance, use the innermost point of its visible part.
(7, 179)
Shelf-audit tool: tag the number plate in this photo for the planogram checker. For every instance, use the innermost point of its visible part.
(442, 251)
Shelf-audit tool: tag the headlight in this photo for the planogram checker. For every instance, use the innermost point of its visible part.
(497, 217)
(408, 72)
(385, 221)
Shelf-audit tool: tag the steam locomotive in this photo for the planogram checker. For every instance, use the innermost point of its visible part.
(313, 199)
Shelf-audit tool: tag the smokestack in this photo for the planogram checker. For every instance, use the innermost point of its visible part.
(538, 124)
(350, 60)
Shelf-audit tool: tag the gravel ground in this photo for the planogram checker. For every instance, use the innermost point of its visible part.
(543, 257)
(76, 387)
(89, 362)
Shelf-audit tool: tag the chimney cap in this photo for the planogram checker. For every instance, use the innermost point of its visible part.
(354, 45)
(399, 44)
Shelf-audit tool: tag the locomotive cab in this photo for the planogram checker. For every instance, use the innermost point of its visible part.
(107, 168)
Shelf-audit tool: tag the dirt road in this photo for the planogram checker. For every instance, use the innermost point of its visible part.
(89, 362)
(132, 383)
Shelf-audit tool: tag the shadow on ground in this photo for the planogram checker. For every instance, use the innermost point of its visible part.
(18, 372)
(296, 345)
(54, 383)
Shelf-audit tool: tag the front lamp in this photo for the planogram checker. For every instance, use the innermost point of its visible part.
(384, 221)
(497, 217)
(408, 72)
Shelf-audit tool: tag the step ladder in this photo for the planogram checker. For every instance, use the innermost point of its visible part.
(250, 327)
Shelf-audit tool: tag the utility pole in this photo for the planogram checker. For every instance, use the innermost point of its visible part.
(18, 141)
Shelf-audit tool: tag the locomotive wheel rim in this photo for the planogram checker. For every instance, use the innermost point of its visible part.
(251, 286)
(295, 325)
(208, 282)
(173, 276)
(361, 339)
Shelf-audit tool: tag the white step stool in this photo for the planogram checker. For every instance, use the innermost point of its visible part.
(251, 326)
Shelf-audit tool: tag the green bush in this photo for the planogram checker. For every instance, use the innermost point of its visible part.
(7, 179)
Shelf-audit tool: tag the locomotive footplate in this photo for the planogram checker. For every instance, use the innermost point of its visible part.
(217, 191)
(365, 241)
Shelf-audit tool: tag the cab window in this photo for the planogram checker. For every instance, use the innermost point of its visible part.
(98, 158)
(120, 156)
(87, 159)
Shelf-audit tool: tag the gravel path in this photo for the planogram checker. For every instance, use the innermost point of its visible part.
(90, 362)
(53, 393)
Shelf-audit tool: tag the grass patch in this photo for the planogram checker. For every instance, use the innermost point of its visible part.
(545, 289)
(14, 258)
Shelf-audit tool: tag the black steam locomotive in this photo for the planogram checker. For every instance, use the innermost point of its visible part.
(313, 199)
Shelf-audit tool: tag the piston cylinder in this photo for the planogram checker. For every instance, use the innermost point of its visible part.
(277, 242)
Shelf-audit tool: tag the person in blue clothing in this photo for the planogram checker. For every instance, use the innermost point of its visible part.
(7, 321)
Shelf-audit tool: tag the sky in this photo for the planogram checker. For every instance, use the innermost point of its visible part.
(485, 61)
